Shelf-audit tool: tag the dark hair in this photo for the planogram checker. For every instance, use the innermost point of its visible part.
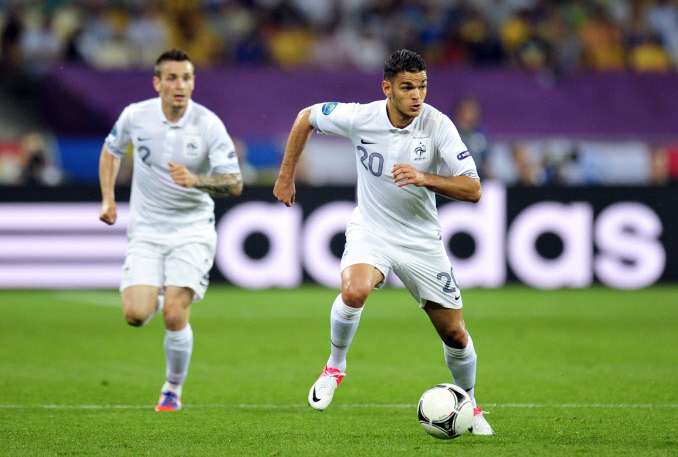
(173, 55)
(403, 60)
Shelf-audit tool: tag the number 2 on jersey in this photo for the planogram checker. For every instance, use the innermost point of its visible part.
(145, 153)
(374, 162)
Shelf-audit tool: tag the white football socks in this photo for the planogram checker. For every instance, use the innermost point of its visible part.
(462, 364)
(344, 322)
(178, 349)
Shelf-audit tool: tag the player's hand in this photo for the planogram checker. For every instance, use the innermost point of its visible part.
(181, 176)
(285, 191)
(404, 175)
(108, 213)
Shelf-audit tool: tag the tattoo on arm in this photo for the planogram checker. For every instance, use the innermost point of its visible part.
(221, 185)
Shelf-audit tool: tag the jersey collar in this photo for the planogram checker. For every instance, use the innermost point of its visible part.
(182, 121)
(393, 129)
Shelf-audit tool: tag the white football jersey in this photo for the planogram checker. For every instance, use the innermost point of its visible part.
(431, 143)
(198, 141)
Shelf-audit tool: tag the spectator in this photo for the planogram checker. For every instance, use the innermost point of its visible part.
(561, 164)
(535, 54)
(602, 42)
(662, 17)
(147, 34)
(188, 31)
(528, 171)
(291, 47)
(658, 174)
(483, 47)
(672, 159)
(10, 42)
(649, 56)
(515, 32)
(467, 118)
(37, 167)
(40, 46)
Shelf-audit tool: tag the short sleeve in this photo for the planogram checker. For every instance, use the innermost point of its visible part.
(221, 150)
(119, 138)
(455, 158)
(333, 118)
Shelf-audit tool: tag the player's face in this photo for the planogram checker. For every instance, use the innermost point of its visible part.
(406, 93)
(175, 84)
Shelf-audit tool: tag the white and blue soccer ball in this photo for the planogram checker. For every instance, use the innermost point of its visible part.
(445, 411)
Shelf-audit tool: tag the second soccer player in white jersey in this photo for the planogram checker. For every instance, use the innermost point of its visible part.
(182, 153)
(406, 152)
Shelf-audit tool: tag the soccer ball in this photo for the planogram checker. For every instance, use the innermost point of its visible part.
(445, 411)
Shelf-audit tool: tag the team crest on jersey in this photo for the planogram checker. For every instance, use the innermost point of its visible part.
(329, 107)
(420, 152)
(192, 146)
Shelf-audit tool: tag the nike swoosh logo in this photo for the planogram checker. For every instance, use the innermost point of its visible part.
(457, 297)
(143, 139)
(315, 399)
(366, 142)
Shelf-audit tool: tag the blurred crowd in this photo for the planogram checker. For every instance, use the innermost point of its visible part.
(550, 36)
(553, 35)
(37, 159)
(561, 161)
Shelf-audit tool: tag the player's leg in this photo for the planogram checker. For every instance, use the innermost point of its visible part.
(364, 265)
(357, 281)
(142, 277)
(187, 271)
(139, 304)
(428, 275)
(460, 356)
(178, 345)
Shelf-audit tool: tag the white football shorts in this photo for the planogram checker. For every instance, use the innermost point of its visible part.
(425, 271)
(180, 259)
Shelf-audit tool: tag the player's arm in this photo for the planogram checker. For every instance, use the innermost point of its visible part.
(115, 145)
(284, 189)
(226, 185)
(109, 165)
(456, 176)
(464, 188)
(218, 185)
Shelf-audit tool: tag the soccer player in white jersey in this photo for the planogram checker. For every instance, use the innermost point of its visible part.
(182, 155)
(406, 152)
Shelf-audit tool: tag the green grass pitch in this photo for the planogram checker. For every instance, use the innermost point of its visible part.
(589, 372)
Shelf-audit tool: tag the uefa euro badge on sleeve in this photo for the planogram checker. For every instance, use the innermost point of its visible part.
(329, 107)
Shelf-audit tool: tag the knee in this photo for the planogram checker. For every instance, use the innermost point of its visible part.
(455, 336)
(176, 317)
(355, 295)
(133, 314)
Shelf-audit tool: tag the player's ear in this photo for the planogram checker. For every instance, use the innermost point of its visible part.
(386, 87)
(156, 83)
